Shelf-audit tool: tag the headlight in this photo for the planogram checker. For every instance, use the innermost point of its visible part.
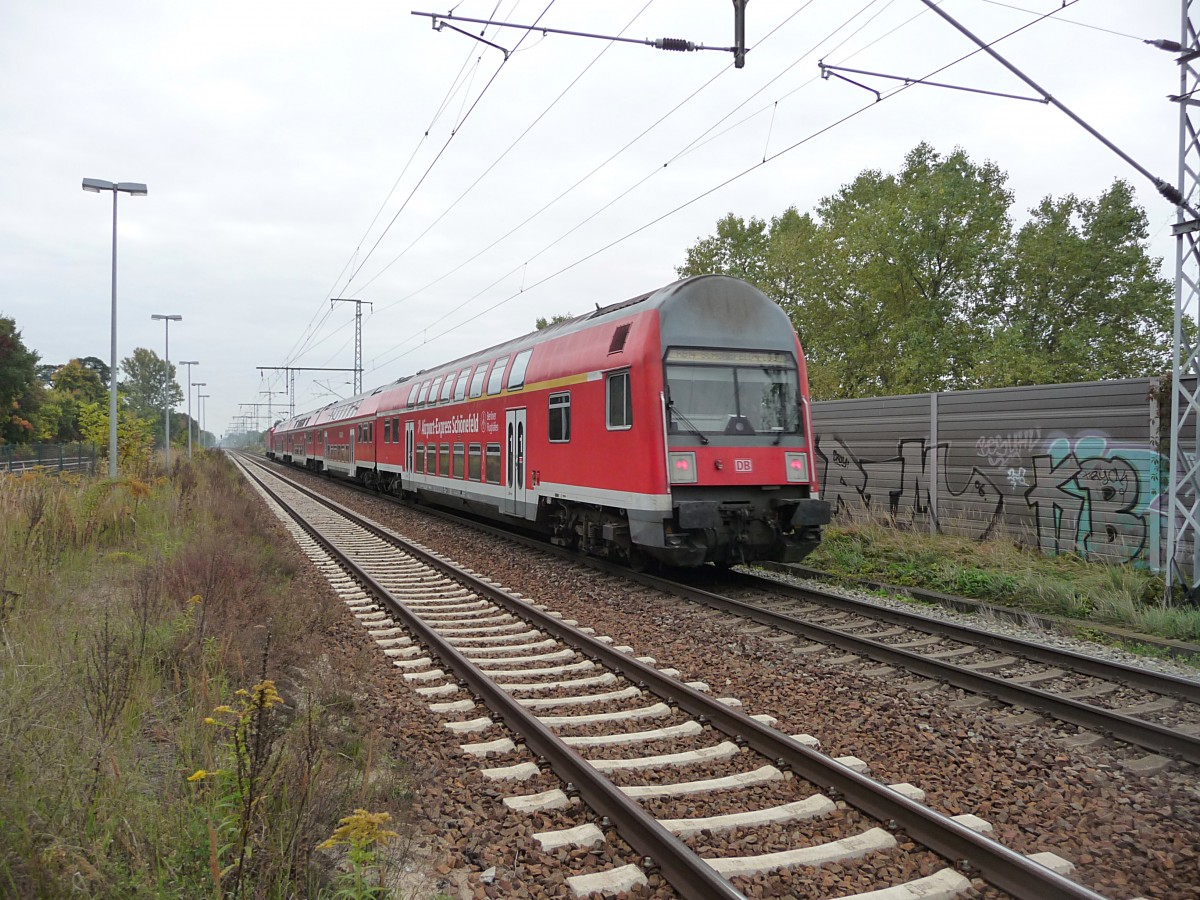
(797, 466)
(681, 468)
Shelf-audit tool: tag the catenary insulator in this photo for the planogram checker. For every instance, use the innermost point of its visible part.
(678, 44)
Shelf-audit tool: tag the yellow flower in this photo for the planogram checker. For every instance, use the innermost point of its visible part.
(209, 720)
(198, 775)
(195, 599)
(222, 709)
(360, 831)
(265, 695)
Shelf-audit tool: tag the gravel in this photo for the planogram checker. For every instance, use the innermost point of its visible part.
(1130, 835)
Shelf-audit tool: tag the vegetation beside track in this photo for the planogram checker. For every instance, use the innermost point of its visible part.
(1003, 572)
(169, 723)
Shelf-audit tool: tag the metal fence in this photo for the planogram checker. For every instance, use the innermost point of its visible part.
(1074, 468)
(48, 457)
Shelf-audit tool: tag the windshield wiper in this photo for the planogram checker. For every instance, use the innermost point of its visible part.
(686, 421)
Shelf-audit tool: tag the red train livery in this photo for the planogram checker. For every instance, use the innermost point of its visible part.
(675, 426)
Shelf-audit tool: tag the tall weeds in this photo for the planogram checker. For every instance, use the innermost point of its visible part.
(130, 612)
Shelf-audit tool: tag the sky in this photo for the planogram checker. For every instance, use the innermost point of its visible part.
(296, 152)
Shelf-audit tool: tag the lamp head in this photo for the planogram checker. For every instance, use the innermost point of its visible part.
(96, 185)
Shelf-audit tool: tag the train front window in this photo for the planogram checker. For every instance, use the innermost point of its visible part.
(738, 392)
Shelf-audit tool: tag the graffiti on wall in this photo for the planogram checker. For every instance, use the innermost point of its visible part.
(1071, 494)
(898, 486)
(1090, 498)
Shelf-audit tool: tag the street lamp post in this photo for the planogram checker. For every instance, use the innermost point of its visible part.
(199, 418)
(167, 320)
(96, 185)
(189, 363)
(200, 397)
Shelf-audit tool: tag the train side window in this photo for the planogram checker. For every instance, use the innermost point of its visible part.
(424, 394)
(516, 377)
(460, 460)
(620, 401)
(395, 429)
(431, 459)
(444, 459)
(492, 469)
(447, 387)
(560, 417)
(477, 381)
(387, 431)
(474, 462)
(412, 396)
(496, 379)
(460, 386)
(420, 460)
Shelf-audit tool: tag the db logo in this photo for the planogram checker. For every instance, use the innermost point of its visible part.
(743, 465)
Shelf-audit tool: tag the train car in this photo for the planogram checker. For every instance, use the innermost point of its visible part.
(675, 426)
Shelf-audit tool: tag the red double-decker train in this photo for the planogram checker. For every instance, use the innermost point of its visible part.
(675, 426)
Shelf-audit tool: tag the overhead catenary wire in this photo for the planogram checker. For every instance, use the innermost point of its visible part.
(322, 312)
(497, 160)
(295, 353)
(725, 183)
(579, 182)
(616, 198)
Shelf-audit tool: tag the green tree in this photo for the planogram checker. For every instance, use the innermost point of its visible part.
(135, 436)
(1086, 300)
(915, 282)
(20, 392)
(543, 322)
(149, 384)
(739, 248)
(71, 386)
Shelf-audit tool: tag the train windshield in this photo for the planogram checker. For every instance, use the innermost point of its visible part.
(712, 391)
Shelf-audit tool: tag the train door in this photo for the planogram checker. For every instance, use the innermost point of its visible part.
(409, 466)
(515, 462)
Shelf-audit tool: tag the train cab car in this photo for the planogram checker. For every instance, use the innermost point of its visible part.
(688, 427)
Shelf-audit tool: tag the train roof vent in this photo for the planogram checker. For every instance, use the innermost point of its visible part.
(618, 339)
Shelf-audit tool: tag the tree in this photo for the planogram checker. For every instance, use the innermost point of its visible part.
(739, 248)
(149, 384)
(20, 393)
(135, 436)
(916, 282)
(543, 322)
(71, 386)
(1086, 301)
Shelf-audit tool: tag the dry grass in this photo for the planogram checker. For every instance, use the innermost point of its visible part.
(132, 611)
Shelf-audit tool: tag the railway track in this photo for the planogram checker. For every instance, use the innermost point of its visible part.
(1151, 710)
(702, 794)
(1154, 711)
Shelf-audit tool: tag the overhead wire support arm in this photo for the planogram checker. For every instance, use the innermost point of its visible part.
(827, 70)
(677, 44)
(1169, 191)
(439, 22)
(836, 72)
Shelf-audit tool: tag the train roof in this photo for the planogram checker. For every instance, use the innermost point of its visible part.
(693, 310)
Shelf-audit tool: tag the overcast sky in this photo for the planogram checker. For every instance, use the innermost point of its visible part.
(300, 151)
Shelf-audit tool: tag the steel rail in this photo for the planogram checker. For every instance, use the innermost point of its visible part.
(684, 869)
(1139, 732)
(1159, 682)
(998, 865)
(1134, 731)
